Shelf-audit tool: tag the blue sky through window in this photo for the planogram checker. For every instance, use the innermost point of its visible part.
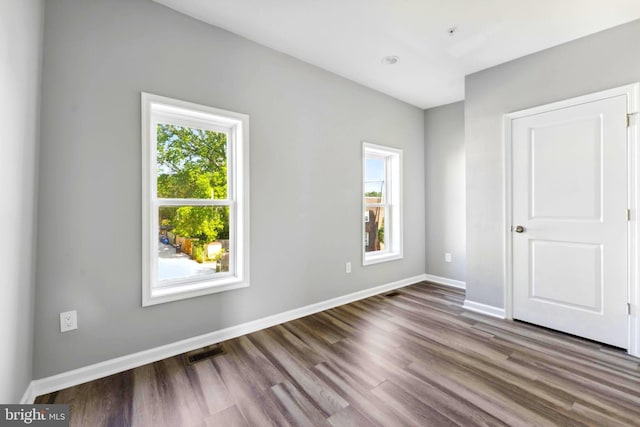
(373, 175)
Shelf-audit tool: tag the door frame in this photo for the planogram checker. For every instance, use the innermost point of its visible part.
(632, 91)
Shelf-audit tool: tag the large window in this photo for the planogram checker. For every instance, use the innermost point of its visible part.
(382, 204)
(195, 199)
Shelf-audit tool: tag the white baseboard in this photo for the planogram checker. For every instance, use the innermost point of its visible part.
(489, 310)
(29, 395)
(445, 281)
(121, 364)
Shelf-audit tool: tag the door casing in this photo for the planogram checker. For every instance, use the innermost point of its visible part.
(632, 93)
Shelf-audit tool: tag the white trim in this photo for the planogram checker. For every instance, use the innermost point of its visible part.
(632, 92)
(633, 103)
(634, 230)
(393, 210)
(29, 395)
(236, 127)
(507, 249)
(488, 310)
(445, 281)
(372, 258)
(121, 364)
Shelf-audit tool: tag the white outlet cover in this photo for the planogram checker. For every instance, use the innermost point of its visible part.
(68, 321)
(447, 257)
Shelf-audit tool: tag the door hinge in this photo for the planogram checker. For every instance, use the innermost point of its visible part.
(628, 120)
(628, 214)
(628, 308)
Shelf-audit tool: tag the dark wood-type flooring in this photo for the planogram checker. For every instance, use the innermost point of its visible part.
(416, 358)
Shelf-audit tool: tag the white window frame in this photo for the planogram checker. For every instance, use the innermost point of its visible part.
(392, 203)
(156, 109)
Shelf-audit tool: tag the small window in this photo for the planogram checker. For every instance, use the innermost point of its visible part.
(195, 199)
(382, 203)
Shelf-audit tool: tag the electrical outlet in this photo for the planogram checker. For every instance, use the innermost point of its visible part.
(347, 267)
(447, 257)
(68, 321)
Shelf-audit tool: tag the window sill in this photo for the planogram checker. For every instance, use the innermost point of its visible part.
(176, 293)
(378, 258)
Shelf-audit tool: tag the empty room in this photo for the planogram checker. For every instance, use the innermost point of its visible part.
(320, 213)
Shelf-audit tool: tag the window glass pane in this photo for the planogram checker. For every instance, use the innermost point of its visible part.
(374, 174)
(374, 232)
(193, 241)
(191, 163)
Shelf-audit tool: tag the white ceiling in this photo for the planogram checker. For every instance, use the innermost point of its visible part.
(350, 37)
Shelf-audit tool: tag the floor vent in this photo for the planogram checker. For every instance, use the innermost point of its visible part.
(204, 353)
(392, 294)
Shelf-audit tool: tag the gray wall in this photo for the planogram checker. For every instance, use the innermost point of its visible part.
(20, 50)
(445, 191)
(590, 64)
(306, 131)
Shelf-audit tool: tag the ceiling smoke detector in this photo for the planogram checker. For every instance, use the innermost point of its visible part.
(390, 60)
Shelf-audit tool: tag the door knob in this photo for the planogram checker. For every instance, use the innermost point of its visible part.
(519, 229)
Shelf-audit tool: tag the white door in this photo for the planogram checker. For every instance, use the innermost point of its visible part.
(570, 221)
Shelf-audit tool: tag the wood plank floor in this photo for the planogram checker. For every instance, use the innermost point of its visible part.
(414, 359)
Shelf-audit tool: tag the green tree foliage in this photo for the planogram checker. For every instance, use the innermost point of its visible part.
(373, 194)
(204, 223)
(192, 164)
